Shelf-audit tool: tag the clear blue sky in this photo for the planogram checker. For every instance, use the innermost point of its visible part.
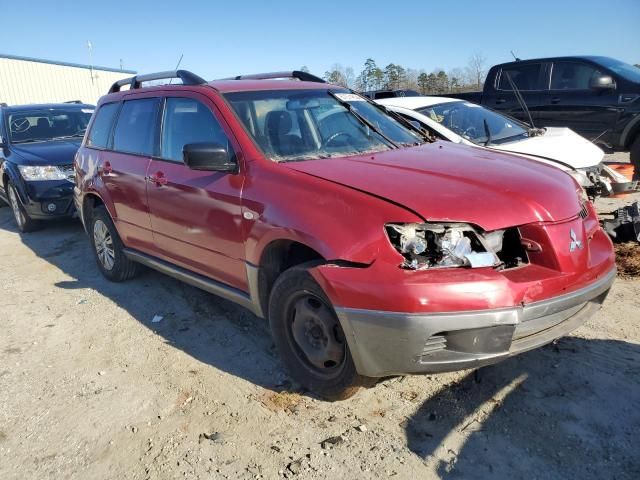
(220, 39)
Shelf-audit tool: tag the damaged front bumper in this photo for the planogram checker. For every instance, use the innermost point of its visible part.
(388, 343)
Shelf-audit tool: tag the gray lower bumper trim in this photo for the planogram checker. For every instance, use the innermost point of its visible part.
(390, 343)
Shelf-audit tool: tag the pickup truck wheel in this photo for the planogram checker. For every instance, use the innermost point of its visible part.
(635, 158)
(308, 336)
(23, 220)
(108, 248)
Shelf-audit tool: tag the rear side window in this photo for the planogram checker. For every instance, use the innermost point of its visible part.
(101, 129)
(572, 76)
(525, 77)
(136, 127)
(189, 121)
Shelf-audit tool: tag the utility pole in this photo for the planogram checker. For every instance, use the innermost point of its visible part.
(90, 48)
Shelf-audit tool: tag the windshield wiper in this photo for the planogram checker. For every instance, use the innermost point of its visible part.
(29, 140)
(487, 131)
(363, 120)
(426, 136)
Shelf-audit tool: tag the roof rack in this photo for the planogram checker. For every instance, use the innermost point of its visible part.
(3, 104)
(73, 101)
(186, 76)
(297, 74)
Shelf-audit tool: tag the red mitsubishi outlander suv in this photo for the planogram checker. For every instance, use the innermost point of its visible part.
(371, 251)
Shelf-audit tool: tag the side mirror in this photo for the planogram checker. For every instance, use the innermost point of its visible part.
(208, 156)
(602, 82)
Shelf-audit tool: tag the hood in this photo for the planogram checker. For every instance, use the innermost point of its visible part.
(561, 144)
(454, 183)
(57, 152)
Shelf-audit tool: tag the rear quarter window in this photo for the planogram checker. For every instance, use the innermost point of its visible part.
(525, 77)
(101, 129)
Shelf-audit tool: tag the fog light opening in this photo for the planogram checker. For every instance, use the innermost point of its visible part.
(52, 207)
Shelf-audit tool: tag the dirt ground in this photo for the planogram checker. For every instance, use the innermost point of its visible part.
(91, 387)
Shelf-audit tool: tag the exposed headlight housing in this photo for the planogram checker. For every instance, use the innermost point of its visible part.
(41, 173)
(444, 245)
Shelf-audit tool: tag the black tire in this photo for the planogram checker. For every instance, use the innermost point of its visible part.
(24, 222)
(336, 380)
(635, 158)
(113, 264)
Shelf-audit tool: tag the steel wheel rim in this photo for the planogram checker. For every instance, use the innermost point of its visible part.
(13, 200)
(316, 335)
(104, 245)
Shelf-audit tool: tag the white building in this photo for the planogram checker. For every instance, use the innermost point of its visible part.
(26, 80)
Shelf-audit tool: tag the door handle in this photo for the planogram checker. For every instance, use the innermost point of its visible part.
(107, 168)
(555, 100)
(500, 100)
(158, 178)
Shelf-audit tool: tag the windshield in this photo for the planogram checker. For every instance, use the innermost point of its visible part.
(291, 125)
(47, 124)
(472, 121)
(625, 70)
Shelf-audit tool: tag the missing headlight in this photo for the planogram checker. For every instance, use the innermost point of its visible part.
(442, 245)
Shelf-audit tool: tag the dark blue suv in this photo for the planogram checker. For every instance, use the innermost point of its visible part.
(37, 147)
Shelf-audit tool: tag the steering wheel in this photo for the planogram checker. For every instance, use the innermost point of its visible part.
(333, 137)
(470, 132)
(20, 125)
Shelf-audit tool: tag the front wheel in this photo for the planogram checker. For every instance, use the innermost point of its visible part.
(108, 248)
(309, 337)
(23, 220)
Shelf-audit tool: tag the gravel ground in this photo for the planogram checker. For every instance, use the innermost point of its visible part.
(91, 387)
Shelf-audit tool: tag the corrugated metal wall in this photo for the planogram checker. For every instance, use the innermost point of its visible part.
(26, 81)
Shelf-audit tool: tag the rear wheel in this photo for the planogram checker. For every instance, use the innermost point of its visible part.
(635, 158)
(108, 248)
(309, 337)
(23, 220)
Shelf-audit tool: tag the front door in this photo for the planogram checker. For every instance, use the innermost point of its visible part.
(196, 215)
(571, 102)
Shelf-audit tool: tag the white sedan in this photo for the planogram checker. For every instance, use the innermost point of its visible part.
(467, 123)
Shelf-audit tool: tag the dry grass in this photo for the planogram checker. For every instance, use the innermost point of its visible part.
(276, 401)
(628, 259)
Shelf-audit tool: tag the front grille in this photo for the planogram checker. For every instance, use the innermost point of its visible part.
(69, 172)
(584, 212)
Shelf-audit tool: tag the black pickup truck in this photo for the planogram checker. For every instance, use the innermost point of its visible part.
(598, 97)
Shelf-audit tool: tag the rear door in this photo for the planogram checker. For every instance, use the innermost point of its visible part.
(123, 169)
(196, 215)
(528, 79)
(570, 102)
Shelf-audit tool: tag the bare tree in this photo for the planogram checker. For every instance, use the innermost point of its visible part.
(476, 68)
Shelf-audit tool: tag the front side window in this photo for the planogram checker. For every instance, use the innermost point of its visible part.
(101, 129)
(189, 121)
(572, 76)
(525, 77)
(47, 124)
(475, 123)
(136, 127)
(291, 125)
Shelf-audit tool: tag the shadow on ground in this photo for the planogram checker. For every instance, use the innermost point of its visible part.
(568, 410)
(213, 330)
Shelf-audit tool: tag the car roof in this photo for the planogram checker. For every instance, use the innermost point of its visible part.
(225, 86)
(593, 58)
(416, 102)
(44, 106)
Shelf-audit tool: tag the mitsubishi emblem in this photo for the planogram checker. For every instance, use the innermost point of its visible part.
(575, 243)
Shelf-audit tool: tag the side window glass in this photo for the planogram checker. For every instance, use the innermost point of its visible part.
(189, 121)
(571, 76)
(525, 77)
(102, 125)
(136, 128)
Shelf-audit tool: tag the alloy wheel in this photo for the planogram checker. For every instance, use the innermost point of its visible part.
(103, 244)
(15, 206)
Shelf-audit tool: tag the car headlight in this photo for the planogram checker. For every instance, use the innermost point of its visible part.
(580, 177)
(47, 172)
(444, 245)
